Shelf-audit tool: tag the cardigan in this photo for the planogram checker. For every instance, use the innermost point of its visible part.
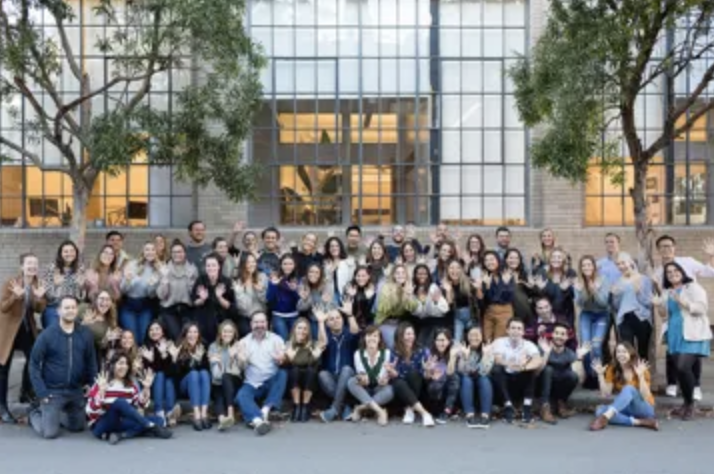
(12, 313)
(696, 321)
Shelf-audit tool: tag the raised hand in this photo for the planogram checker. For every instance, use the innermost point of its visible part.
(545, 345)
(486, 279)
(598, 367)
(58, 278)
(199, 352)
(174, 350)
(578, 284)
(540, 281)
(147, 353)
(220, 290)
(163, 347)
(164, 270)
(641, 367)
(202, 293)
(507, 275)
(436, 294)
(238, 227)
(147, 378)
(102, 382)
(234, 351)
(80, 278)
(565, 283)
(321, 316)
(274, 278)
(39, 291)
(90, 316)
(708, 247)
(17, 289)
(584, 350)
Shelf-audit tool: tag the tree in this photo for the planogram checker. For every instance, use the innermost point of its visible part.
(581, 85)
(142, 41)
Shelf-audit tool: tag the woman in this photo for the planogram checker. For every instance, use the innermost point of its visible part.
(22, 297)
(141, 277)
(315, 296)
(370, 386)
(523, 291)
(442, 381)
(155, 357)
(114, 404)
(174, 291)
(540, 260)
(447, 253)
(192, 367)
(213, 298)
(64, 276)
(592, 297)
(303, 355)
(225, 373)
(395, 302)
(688, 334)
(405, 371)
(473, 256)
(409, 257)
(629, 380)
(103, 275)
(378, 263)
(283, 297)
(227, 262)
(632, 302)
(556, 283)
(250, 288)
(101, 320)
(336, 267)
(359, 298)
(474, 363)
(431, 305)
(127, 346)
(495, 293)
(457, 289)
(162, 248)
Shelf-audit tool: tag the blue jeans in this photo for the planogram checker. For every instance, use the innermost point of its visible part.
(593, 327)
(389, 330)
(462, 318)
(163, 393)
(628, 404)
(50, 316)
(135, 316)
(121, 417)
(197, 384)
(283, 326)
(272, 391)
(485, 393)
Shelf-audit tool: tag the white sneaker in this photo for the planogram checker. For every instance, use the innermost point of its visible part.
(427, 420)
(672, 391)
(409, 417)
(697, 395)
(266, 413)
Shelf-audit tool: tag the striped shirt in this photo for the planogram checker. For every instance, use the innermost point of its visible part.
(97, 407)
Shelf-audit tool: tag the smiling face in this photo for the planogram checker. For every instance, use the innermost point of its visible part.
(454, 271)
(302, 329)
(149, 252)
(624, 265)
(475, 338)
(398, 234)
(287, 266)
(544, 309)
(259, 324)
(547, 239)
(491, 263)
(362, 277)
(400, 275)
(213, 268)
(409, 337)
(515, 330)
(68, 310)
(353, 238)
(197, 232)
(408, 253)
(127, 340)
(442, 343)
(371, 340)
(313, 275)
(376, 251)
(612, 245)
(674, 276)
(557, 260)
(513, 260)
(193, 336)
(228, 334)
(666, 249)
(334, 248)
(474, 245)
(251, 263)
(503, 239)
(221, 248)
(156, 333)
(121, 368)
(335, 322)
(116, 241)
(587, 268)
(178, 254)
(69, 254)
(445, 252)
(160, 244)
(106, 258)
(622, 355)
(309, 243)
(560, 336)
(422, 275)
(270, 240)
(29, 266)
(104, 302)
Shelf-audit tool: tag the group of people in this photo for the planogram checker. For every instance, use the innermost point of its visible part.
(364, 325)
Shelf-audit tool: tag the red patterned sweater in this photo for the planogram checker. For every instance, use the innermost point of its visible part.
(97, 407)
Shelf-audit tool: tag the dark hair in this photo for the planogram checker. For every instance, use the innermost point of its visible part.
(255, 313)
(405, 244)
(280, 270)
(385, 254)
(26, 255)
(217, 241)
(368, 331)
(618, 370)
(343, 252)
(360, 268)
(612, 234)
(321, 280)
(561, 324)
(399, 347)
(447, 353)
(515, 319)
(664, 237)
(193, 223)
(353, 227)
(498, 260)
(521, 269)
(666, 283)
(217, 258)
(116, 357)
(59, 261)
(502, 229)
(147, 340)
(479, 254)
(68, 297)
(243, 269)
(113, 233)
(97, 264)
(270, 229)
(415, 283)
(541, 298)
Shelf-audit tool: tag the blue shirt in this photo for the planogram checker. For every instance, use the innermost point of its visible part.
(413, 364)
(627, 300)
(608, 270)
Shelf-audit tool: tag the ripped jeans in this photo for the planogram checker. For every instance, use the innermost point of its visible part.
(593, 329)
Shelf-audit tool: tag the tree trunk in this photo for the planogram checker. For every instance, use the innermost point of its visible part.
(643, 231)
(78, 231)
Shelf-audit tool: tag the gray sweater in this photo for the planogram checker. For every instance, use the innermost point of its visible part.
(176, 286)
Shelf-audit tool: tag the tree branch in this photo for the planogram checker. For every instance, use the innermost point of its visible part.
(69, 52)
(155, 45)
(28, 154)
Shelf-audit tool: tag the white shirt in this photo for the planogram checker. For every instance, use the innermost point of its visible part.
(261, 361)
(514, 353)
(361, 369)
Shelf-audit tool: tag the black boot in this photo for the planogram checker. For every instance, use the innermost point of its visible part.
(297, 413)
(305, 415)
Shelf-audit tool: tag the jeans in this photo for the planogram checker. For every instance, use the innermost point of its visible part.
(335, 386)
(64, 409)
(485, 393)
(380, 394)
(557, 385)
(633, 328)
(507, 383)
(593, 329)
(462, 319)
(389, 329)
(444, 392)
(174, 318)
(628, 404)
(197, 384)
(226, 392)
(135, 316)
(283, 326)
(272, 391)
(163, 393)
(408, 388)
(50, 315)
(121, 417)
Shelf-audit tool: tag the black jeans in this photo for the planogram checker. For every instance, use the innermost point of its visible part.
(23, 342)
(225, 393)
(672, 370)
(684, 365)
(408, 388)
(557, 385)
(443, 393)
(508, 383)
(304, 378)
(636, 332)
(174, 318)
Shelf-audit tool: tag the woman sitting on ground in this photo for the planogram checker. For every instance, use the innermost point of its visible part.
(155, 357)
(303, 355)
(225, 373)
(474, 364)
(195, 381)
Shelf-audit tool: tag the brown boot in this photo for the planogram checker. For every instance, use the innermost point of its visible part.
(564, 411)
(685, 412)
(546, 415)
(599, 423)
(649, 423)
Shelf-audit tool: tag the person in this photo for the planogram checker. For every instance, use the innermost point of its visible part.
(22, 296)
(495, 292)
(431, 307)
(64, 276)
(447, 252)
(503, 242)
(197, 246)
(395, 302)
(114, 402)
(473, 256)
(544, 326)
(516, 365)
(219, 248)
(474, 364)
(213, 298)
(632, 299)
(141, 277)
(283, 297)
(556, 282)
(378, 263)
(225, 373)
(316, 294)
(103, 275)
(162, 248)
(306, 255)
(302, 354)
(115, 239)
(607, 265)
(192, 369)
(442, 381)
(370, 386)
(261, 355)
(409, 257)
(523, 289)
(354, 247)
(459, 295)
(250, 289)
(540, 260)
(405, 369)
(101, 319)
(62, 363)
(688, 334)
(155, 356)
(592, 298)
(558, 379)
(337, 269)
(693, 269)
(398, 238)
(269, 259)
(174, 291)
(337, 360)
(359, 297)
(628, 378)
(127, 345)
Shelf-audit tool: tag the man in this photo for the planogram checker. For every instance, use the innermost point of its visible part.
(355, 247)
(269, 260)
(516, 366)
(607, 265)
(667, 249)
(394, 248)
(337, 360)
(558, 380)
(116, 240)
(260, 355)
(197, 246)
(62, 364)
(503, 242)
(546, 323)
